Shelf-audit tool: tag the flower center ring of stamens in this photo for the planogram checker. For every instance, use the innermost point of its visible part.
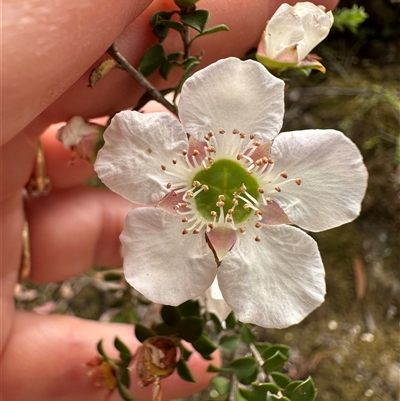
(228, 185)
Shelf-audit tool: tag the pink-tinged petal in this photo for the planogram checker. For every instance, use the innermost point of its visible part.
(196, 151)
(136, 145)
(272, 215)
(160, 262)
(275, 282)
(232, 94)
(215, 302)
(333, 178)
(261, 151)
(171, 201)
(221, 240)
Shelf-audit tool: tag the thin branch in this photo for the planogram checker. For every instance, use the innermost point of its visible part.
(232, 389)
(259, 360)
(155, 94)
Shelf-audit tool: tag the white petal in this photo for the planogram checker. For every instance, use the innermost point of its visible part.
(283, 31)
(160, 262)
(333, 178)
(316, 23)
(276, 282)
(232, 94)
(136, 145)
(76, 129)
(215, 302)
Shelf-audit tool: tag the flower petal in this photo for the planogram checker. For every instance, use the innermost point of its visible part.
(284, 31)
(276, 282)
(222, 240)
(136, 145)
(215, 302)
(316, 23)
(232, 94)
(160, 262)
(333, 178)
(272, 214)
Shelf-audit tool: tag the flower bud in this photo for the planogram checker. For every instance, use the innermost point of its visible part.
(156, 359)
(81, 137)
(290, 35)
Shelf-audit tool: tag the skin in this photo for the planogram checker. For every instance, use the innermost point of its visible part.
(48, 51)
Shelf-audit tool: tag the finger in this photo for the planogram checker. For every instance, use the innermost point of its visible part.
(72, 230)
(64, 39)
(246, 24)
(46, 356)
(83, 33)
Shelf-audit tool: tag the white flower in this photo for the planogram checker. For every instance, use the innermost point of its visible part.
(227, 193)
(291, 33)
(80, 136)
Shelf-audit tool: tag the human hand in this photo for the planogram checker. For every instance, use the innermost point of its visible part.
(48, 51)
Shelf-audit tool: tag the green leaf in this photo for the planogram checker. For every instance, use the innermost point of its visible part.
(247, 335)
(190, 308)
(274, 397)
(185, 352)
(142, 333)
(165, 69)
(305, 391)
(246, 394)
(229, 342)
(170, 315)
(173, 25)
(244, 367)
(221, 385)
(174, 56)
(164, 329)
(184, 371)
(230, 321)
(216, 321)
(215, 369)
(121, 346)
(275, 362)
(261, 390)
(159, 16)
(123, 392)
(204, 345)
(196, 19)
(152, 59)
(125, 377)
(271, 350)
(280, 379)
(160, 31)
(190, 328)
(100, 350)
(214, 29)
(124, 352)
(291, 387)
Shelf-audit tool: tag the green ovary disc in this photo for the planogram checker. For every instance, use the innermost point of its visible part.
(225, 177)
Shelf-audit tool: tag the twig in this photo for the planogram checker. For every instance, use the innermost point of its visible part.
(155, 94)
(232, 389)
(259, 360)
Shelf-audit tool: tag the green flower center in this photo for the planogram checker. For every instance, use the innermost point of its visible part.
(227, 183)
